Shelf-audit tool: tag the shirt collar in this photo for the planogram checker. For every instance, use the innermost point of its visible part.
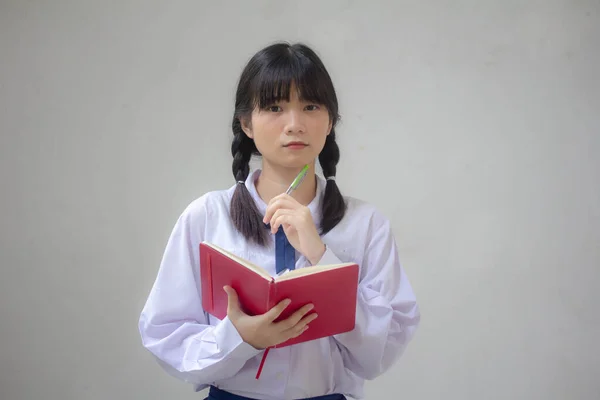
(314, 206)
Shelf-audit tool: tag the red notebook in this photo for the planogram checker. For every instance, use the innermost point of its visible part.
(332, 289)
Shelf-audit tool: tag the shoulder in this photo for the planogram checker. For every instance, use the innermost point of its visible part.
(362, 212)
(208, 205)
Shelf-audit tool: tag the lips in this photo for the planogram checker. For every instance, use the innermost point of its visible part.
(295, 144)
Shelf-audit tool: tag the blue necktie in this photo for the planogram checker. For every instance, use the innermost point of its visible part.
(285, 254)
(285, 258)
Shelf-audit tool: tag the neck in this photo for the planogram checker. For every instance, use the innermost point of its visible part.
(274, 181)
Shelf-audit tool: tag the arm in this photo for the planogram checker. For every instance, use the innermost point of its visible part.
(387, 314)
(174, 327)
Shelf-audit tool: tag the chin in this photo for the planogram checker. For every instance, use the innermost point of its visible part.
(297, 165)
(295, 162)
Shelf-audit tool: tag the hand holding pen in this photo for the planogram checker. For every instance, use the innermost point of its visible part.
(297, 222)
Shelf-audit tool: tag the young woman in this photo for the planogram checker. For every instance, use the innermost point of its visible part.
(286, 111)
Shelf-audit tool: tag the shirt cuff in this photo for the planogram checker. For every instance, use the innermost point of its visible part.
(328, 258)
(231, 343)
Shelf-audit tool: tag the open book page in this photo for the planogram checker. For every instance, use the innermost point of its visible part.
(315, 269)
(259, 270)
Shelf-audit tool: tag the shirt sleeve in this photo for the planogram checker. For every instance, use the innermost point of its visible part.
(387, 314)
(173, 325)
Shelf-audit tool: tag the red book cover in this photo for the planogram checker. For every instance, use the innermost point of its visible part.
(332, 289)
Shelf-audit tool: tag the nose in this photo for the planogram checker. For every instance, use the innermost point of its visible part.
(294, 123)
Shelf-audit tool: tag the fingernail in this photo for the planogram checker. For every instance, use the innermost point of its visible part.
(287, 302)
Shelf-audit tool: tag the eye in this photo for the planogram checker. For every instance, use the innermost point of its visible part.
(273, 108)
(312, 107)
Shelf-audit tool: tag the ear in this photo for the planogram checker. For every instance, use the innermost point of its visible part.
(247, 127)
(329, 127)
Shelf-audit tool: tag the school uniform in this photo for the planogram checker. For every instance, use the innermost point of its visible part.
(200, 349)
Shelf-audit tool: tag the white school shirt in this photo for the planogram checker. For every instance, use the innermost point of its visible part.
(200, 349)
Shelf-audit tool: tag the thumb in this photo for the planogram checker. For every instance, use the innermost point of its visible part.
(233, 303)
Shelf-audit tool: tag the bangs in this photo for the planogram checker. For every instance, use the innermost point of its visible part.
(275, 80)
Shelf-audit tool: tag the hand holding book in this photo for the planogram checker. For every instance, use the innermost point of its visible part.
(262, 331)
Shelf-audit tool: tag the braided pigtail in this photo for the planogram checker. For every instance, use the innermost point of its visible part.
(333, 207)
(244, 213)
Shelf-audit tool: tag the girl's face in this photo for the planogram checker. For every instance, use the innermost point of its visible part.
(289, 134)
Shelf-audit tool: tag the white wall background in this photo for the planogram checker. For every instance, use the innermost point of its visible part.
(474, 125)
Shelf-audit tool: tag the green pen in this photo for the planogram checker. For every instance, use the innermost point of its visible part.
(298, 180)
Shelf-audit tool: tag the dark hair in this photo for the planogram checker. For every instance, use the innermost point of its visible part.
(266, 79)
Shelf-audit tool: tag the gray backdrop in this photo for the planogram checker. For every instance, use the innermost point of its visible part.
(474, 125)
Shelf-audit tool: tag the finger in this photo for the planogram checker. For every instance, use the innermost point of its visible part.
(298, 333)
(279, 203)
(285, 198)
(276, 311)
(295, 318)
(300, 327)
(277, 222)
(281, 211)
(275, 204)
(279, 218)
(233, 304)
